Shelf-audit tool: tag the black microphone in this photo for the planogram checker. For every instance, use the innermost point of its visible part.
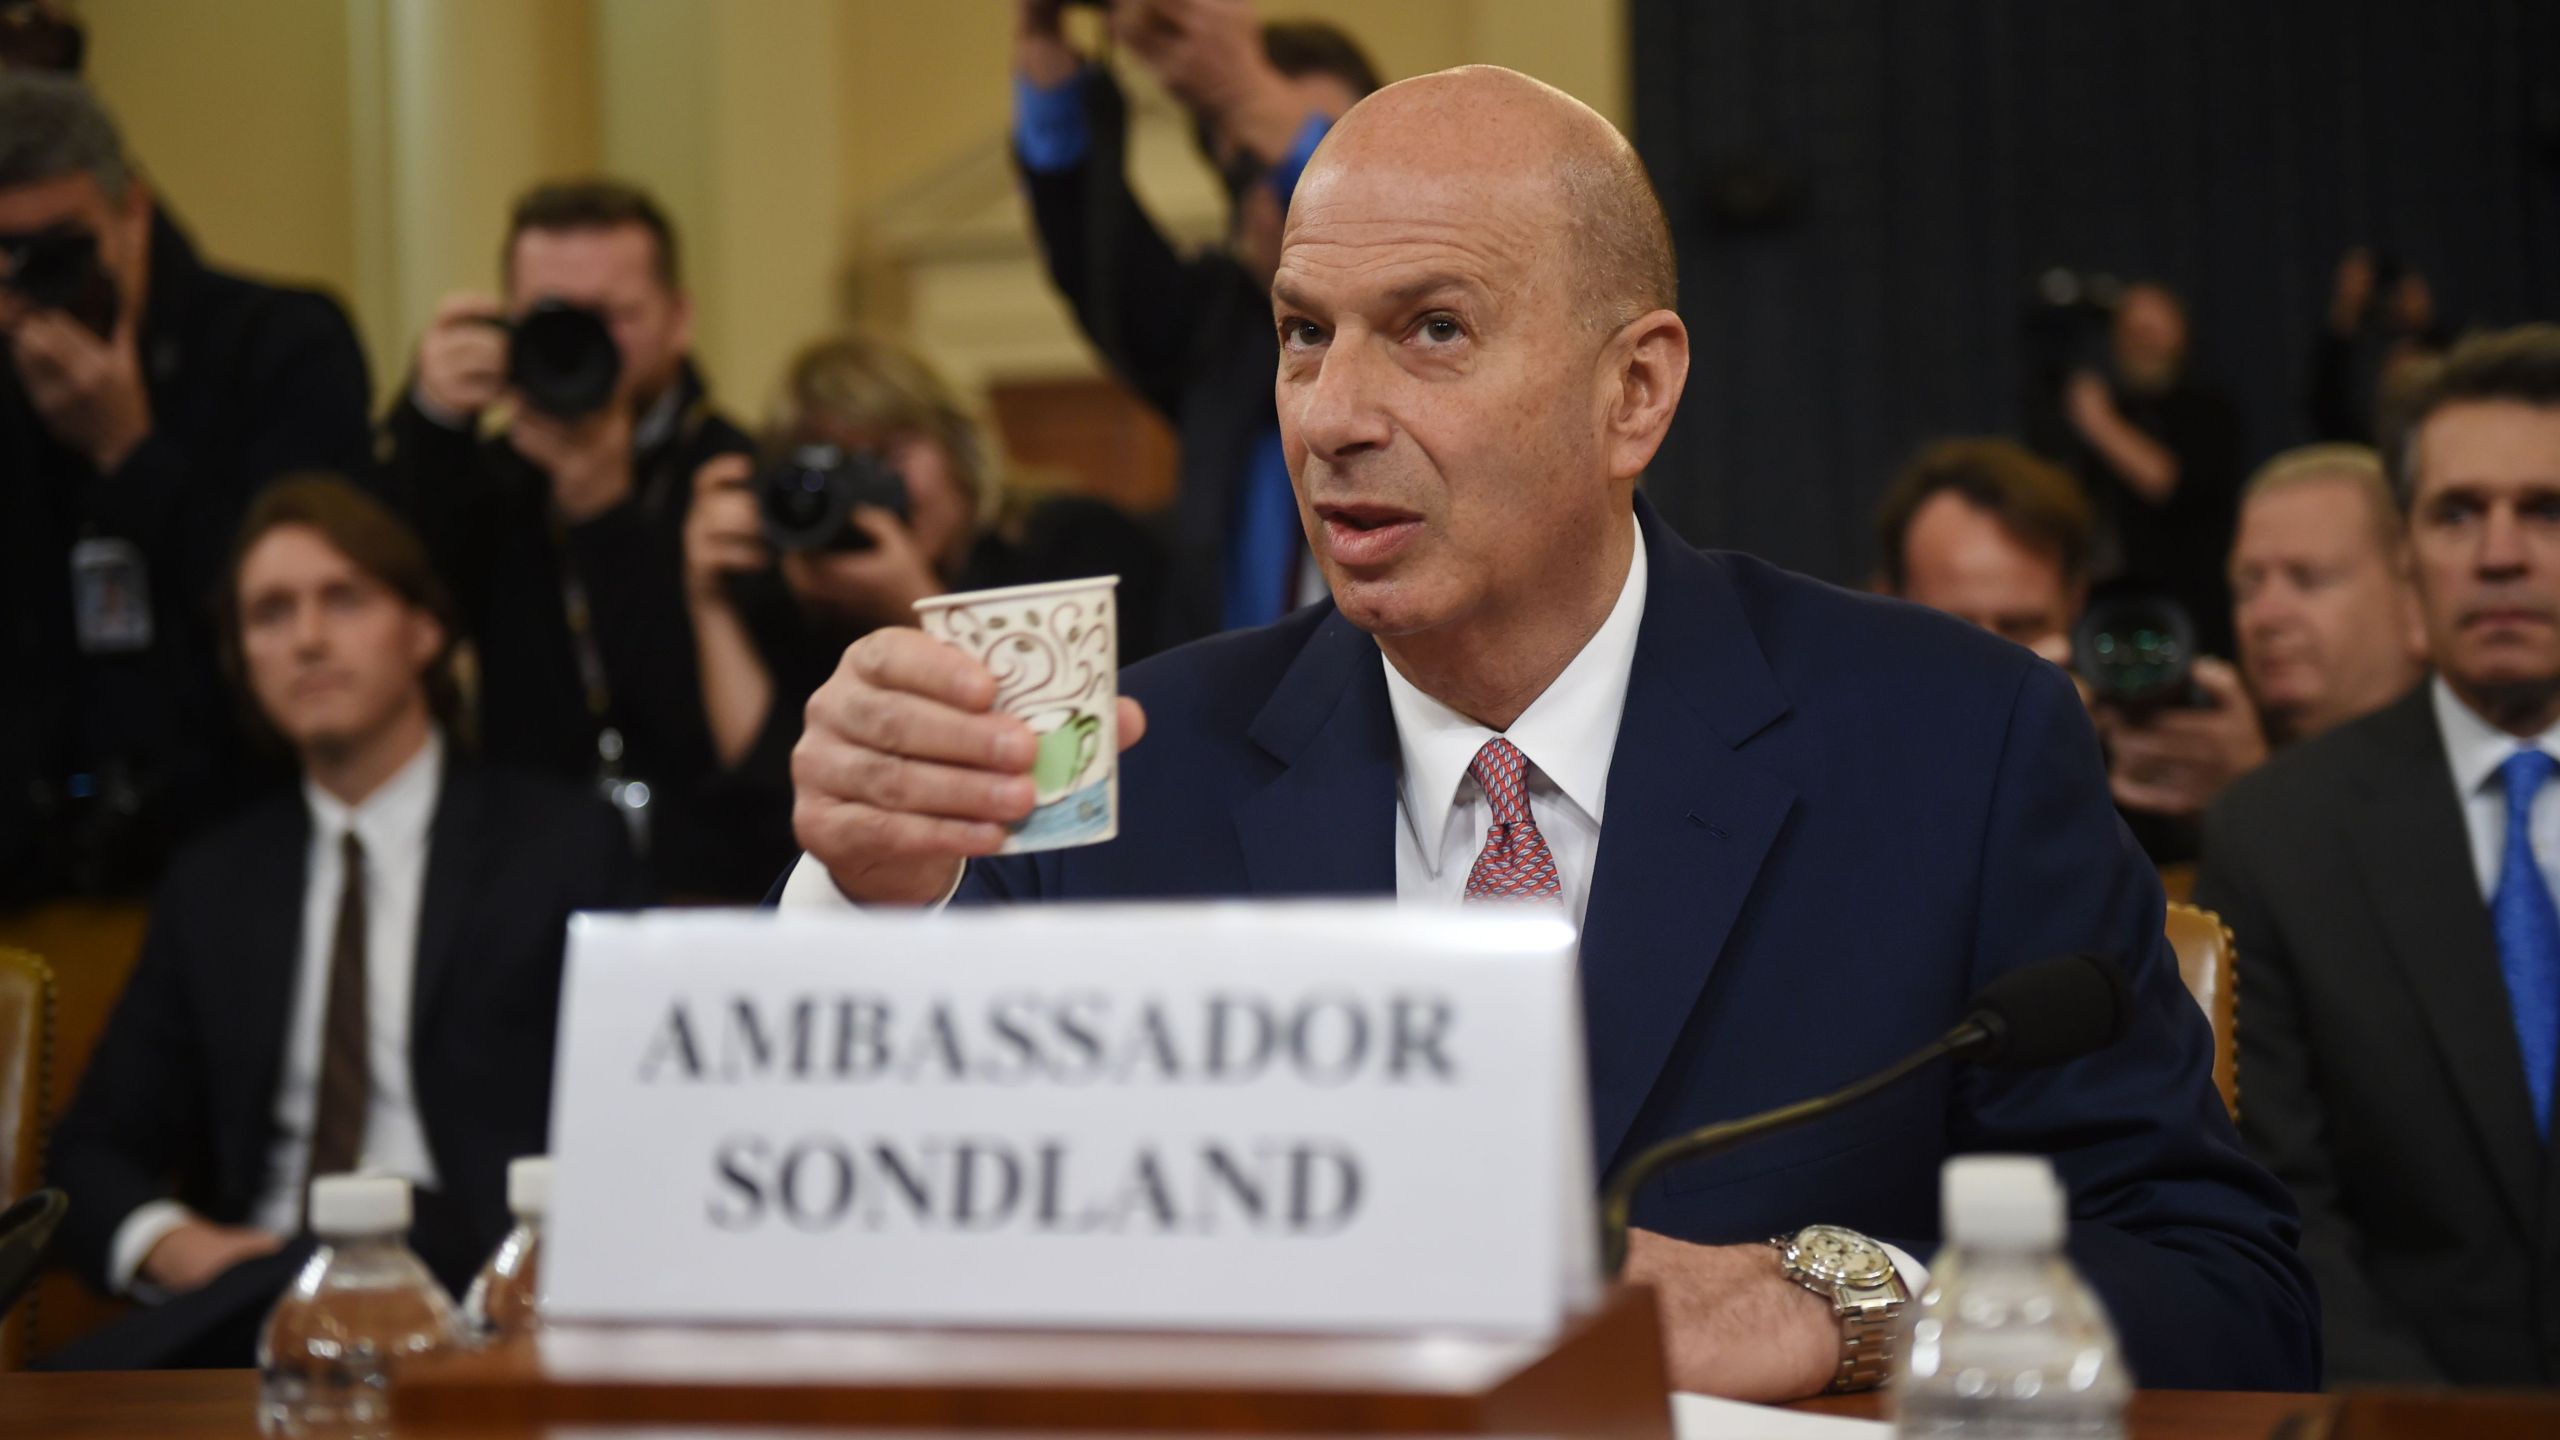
(2034, 1016)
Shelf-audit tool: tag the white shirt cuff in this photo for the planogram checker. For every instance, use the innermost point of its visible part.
(1915, 1276)
(811, 888)
(145, 1227)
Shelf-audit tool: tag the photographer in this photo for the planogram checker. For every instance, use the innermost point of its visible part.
(144, 399)
(2160, 453)
(561, 532)
(878, 492)
(1191, 335)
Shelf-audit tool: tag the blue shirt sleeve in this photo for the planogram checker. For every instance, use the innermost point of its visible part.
(1048, 125)
(1284, 176)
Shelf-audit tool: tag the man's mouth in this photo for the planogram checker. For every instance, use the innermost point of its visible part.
(1366, 534)
(2500, 616)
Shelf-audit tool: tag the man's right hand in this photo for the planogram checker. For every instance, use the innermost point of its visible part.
(904, 771)
(462, 362)
(1041, 53)
(198, 1251)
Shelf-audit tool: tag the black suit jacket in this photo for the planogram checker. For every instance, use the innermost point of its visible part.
(2379, 1072)
(179, 1097)
(1192, 335)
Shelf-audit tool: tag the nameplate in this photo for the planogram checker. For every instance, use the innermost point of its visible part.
(1307, 1117)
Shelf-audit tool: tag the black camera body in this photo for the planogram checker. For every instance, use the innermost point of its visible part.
(808, 496)
(2136, 649)
(561, 358)
(59, 268)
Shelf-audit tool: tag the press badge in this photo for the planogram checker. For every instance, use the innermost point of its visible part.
(110, 596)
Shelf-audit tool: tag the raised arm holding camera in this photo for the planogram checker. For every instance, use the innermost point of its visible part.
(546, 448)
(1191, 334)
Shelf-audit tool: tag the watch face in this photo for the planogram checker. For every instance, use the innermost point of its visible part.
(1840, 1257)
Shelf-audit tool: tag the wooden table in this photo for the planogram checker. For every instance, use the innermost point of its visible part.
(222, 1405)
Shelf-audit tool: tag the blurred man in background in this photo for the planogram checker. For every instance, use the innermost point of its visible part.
(363, 974)
(873, 414)
(144, 398)
(2160, 453)
(1987, 532)
(2390, 884)
(1191, 335)
(2329, 627)
(561, 532)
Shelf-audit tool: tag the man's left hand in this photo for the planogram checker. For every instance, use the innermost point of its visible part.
(2174, 762)
(1733, 1324)
(87, 391)
(874, 587)
(588, 459)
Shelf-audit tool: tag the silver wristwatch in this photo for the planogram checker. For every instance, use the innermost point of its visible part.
(1856, 1275)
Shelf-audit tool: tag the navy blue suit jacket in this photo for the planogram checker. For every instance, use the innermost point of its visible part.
(1830, 820)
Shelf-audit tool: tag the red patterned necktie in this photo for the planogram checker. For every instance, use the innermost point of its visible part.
(1515, 864)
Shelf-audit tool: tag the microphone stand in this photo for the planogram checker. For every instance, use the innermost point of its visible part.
(1966, 1039)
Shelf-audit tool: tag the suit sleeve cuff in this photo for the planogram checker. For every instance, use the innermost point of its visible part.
(145, 1227)
(812, 890)
(1049, 126)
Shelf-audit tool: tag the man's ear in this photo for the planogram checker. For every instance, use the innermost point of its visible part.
(1648, 370)
(683, 322)
(426, 639)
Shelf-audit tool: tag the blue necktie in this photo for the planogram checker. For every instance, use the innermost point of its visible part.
(2529, 932)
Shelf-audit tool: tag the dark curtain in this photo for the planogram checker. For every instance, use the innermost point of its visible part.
(1863, 190)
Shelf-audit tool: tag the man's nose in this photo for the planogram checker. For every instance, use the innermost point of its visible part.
(310, 633)
(2502, 548)
(1341, 411)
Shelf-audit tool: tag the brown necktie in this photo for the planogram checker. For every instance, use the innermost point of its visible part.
(346, 1075)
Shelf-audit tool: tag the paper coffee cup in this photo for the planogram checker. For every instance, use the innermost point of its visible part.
(1055, 652)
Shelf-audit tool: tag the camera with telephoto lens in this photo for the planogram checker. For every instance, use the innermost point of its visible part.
(58, 268)
(807, 498)
(2136, 648)
(561, 358)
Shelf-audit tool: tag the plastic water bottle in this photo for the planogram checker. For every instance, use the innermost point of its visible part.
(2008, 1343)
(500, 1301)
(361, 1305)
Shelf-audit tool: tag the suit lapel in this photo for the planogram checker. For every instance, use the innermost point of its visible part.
(2415, 859)
(457, 854)
(1688, 823)
(1325, 825)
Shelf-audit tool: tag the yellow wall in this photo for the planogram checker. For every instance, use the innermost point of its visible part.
(819, 156)
(238, 113)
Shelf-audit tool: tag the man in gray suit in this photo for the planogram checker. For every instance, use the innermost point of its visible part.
(2390, 884)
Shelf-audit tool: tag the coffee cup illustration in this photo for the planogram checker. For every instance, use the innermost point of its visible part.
(1068, 739)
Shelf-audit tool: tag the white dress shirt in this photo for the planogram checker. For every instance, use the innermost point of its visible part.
(392, 824)
(2473, 750)
(1568, 735)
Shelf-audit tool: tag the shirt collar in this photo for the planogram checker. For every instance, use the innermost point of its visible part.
(1568, 733)
(394, 818)
(2473, 747)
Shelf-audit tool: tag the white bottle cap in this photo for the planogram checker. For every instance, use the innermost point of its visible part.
(529, 1186)
(2005, 1202)
(354, 1207)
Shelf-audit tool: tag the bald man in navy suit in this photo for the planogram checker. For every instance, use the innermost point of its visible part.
(1799, 827)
